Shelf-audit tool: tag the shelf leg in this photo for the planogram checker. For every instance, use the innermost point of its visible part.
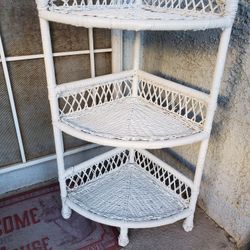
(217, 77)
(51, 80)
(66, 211)
(188, 223)
(123, 237)
(218, 73)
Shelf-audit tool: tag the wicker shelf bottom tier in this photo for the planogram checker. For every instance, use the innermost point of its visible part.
(130, 193)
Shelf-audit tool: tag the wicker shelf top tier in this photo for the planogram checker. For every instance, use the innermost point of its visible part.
(141, 14)
(118, 187)
(132, 109)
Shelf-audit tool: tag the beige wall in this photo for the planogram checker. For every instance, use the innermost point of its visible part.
(189, 58)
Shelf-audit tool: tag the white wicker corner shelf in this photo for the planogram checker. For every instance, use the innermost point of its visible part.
(133, 110)
(142, 14)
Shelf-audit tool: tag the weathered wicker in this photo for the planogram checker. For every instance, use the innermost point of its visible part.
(129, 187)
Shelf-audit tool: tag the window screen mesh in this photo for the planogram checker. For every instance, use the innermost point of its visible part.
(9, 149)
(31, 96)
(103, 63)
(19, 26)
(72, 68)
(102, 38)
(68, 38)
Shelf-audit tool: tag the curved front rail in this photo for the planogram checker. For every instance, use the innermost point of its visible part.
(141, 15)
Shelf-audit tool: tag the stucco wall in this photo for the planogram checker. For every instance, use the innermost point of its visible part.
(189, 58)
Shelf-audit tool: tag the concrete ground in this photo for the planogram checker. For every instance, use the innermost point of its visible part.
(206, 235)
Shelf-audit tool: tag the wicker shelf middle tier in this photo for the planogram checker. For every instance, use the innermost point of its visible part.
(132, 109)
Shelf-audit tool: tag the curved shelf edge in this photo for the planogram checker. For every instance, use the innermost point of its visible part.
(137, 25)
(129, 224)
(131, 144)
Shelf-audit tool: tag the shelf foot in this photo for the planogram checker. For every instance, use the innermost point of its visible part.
(123, 237)
(188, 223)
(66, 211)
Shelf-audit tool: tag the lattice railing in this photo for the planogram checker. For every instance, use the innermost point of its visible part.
(76, 5)
(94, 96)
(187, 107)
(164, 176)
(205, 6)
(79, 178)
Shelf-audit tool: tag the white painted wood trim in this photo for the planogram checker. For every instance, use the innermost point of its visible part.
(57, 54)
(19, 166)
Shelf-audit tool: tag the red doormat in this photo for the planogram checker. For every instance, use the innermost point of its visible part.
(32, 221)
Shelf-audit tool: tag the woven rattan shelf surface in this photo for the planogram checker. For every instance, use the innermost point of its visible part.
(131, 119)
(146, 15)
(127, 194)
